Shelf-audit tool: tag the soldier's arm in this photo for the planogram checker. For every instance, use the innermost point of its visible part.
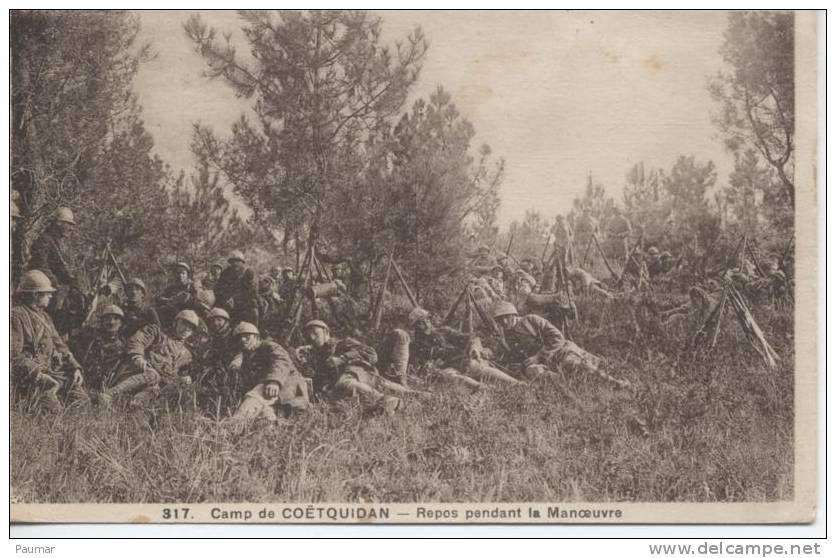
(137, 344)
(23, 364)
(62, 348)
(351, 349)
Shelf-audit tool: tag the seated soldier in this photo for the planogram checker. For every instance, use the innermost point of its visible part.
(346, 368)
(217, 377)
(42, 366)
(272, 384)
(138, 313)
(155, 360)
(105, 352)
(452, 355)
(536, 348)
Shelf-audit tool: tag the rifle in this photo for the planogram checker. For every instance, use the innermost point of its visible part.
(510, 242)
(545, 249)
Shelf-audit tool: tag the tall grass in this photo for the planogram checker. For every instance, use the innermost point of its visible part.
(710, 427)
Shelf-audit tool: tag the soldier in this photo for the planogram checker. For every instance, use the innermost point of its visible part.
(585, 228)
(619, 231)
(155, 360)
(454, 356)
(104, 354)
(179, 295)
(49, 254)
(138, 313)
(216, 374)
(42, 365)
(347, 368)
(584, 282)
(272, 383)
(237, 290)
(483, 263)
(537, 348)
(497, 281)
(563, 239)
(211, 278)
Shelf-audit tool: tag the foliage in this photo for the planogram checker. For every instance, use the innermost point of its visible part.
(757, 92)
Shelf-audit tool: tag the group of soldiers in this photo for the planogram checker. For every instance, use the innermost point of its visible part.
(221, 338)
(225, 337)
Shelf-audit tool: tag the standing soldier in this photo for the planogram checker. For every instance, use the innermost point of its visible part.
(138, 313)
(453, 355)
(180, 294)
(104, 354)
(347, 368)
(237, 290)
(155, 360)
(42, 365)
(272, 383)
(619, 231)
(537, 348)
(563, 239)
(49, 254)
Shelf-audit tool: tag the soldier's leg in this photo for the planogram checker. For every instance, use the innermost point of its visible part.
(482, 371)
(452, 375)
(397, 343)
(255, 405)
(132, 384)
(350, 384)
(572, 358)
(538, 371)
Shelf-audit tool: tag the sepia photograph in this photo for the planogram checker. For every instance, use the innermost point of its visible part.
(413, 266)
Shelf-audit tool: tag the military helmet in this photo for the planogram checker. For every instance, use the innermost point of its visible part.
(65, 215)
(417, 315)
(188, 316)
(316, 323)
(35, 281)
(526, 277)
(218, 313)
(137, 282)
(112, 310)
(653, 251)
(15, 210)
(504, 309)
(245, 328)
(216, 264)
(236, 255)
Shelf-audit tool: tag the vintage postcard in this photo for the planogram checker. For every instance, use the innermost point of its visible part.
(347, 267)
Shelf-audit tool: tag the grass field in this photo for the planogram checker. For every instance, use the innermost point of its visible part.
(715, 428)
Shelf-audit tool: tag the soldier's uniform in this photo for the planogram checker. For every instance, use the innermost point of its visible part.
(452, 355)
(154, 360)
(236, 291)
(38, 350)
(177, 296)
(359, 363)
(537, 348)
(217, 377)
(137, 317)
(49, 254)
(270, 363)
(103, 355)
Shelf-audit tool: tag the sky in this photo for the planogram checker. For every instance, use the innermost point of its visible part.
(558, 95)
